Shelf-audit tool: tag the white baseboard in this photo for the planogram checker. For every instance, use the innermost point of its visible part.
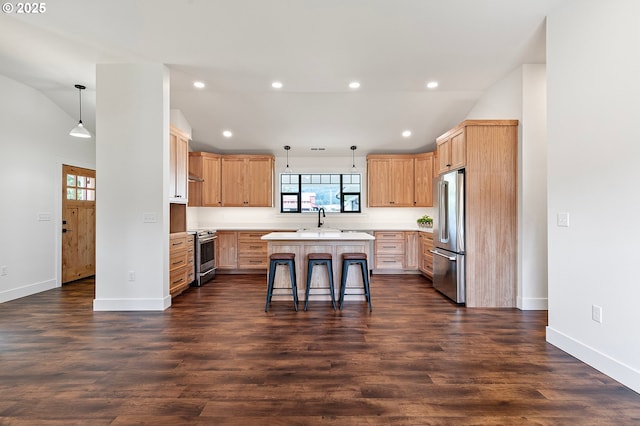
(131, 304)
(27, 290)
(618, 371)
(533, 304)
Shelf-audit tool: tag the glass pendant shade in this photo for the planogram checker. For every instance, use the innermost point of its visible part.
(80, 131)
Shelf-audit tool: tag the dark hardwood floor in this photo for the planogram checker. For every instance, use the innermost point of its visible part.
(215, 357)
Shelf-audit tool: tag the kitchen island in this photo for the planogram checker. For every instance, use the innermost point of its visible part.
(302, 243)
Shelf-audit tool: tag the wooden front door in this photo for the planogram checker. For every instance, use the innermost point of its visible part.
(78, 223)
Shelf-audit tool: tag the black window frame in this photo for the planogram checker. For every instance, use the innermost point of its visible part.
(343, 194)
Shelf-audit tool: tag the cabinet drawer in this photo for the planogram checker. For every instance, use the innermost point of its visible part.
(253, 262)
(389, 262)
(178, 259)
(251, 235)
(389, 235)
(178, 278)
(250, 248)
(178, 242)
(389, 247)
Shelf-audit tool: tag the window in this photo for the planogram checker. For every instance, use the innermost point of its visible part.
(81, 188)
(310, 192)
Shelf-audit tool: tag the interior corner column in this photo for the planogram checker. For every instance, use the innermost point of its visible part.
(132, 206)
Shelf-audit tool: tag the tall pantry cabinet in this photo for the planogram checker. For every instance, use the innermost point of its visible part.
(488, 151)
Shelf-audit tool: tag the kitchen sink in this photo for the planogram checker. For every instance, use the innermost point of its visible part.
(320, 230)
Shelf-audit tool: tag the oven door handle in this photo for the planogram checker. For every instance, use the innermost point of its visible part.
(202, 274)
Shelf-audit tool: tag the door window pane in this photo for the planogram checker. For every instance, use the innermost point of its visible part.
(71, 180)
(82, 182)
(71, 193)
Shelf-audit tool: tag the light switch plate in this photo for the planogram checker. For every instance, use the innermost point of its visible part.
(563, 219)
(149, 217)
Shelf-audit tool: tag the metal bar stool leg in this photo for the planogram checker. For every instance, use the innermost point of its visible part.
(343, 280)
(331, 288)
(365, 281)
(294, 287)
(272, 273)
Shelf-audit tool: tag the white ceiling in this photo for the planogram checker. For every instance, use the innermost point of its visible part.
(315, 47)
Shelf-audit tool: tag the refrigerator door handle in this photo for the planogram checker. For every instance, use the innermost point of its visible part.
(443, 213)
(460, 218)
(452, 258)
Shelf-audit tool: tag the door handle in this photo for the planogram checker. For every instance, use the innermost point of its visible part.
(453, 258)
(64, 230)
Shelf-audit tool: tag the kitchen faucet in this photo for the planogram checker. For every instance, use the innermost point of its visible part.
(321, 209)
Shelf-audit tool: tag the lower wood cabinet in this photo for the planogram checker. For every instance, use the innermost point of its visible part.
(425, 245)
(388, 250)
(241, 251)
(396, 252)
(226, 251)
(181, 262)
(252, 251)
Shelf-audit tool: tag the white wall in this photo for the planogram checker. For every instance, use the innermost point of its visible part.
(132, 151)
(228, 217)
(521, 95)
(593, 173)
(35, 143)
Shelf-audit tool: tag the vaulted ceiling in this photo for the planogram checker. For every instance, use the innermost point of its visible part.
(314, 47)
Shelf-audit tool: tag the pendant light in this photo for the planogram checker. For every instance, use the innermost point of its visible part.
(287, 169)
(354, 169)
(80, 131)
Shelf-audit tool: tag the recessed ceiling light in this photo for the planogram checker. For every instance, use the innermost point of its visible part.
(432, 85)
(227, 133)
(276, 85)
(198, 84)
(354, 85)
(406, 133)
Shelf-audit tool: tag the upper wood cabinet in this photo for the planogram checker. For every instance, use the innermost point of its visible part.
(178, 155)
(451, 151)
(390, 180)
(247, 180)
(423, 171)
(400, 180)
(204, 183)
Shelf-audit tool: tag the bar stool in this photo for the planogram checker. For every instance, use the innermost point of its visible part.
(349, 259)
(282, 259)
(319, 259)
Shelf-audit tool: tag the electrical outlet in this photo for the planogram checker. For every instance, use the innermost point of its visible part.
(563, 219)
(4, 270)
(596, 313)
(132, 275)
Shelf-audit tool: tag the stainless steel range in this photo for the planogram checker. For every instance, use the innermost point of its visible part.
(205, 242)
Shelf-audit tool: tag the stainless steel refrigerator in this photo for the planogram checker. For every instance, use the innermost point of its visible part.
(448, 237)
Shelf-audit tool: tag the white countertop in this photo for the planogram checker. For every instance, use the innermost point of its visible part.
(347, 228)
(315, 235)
